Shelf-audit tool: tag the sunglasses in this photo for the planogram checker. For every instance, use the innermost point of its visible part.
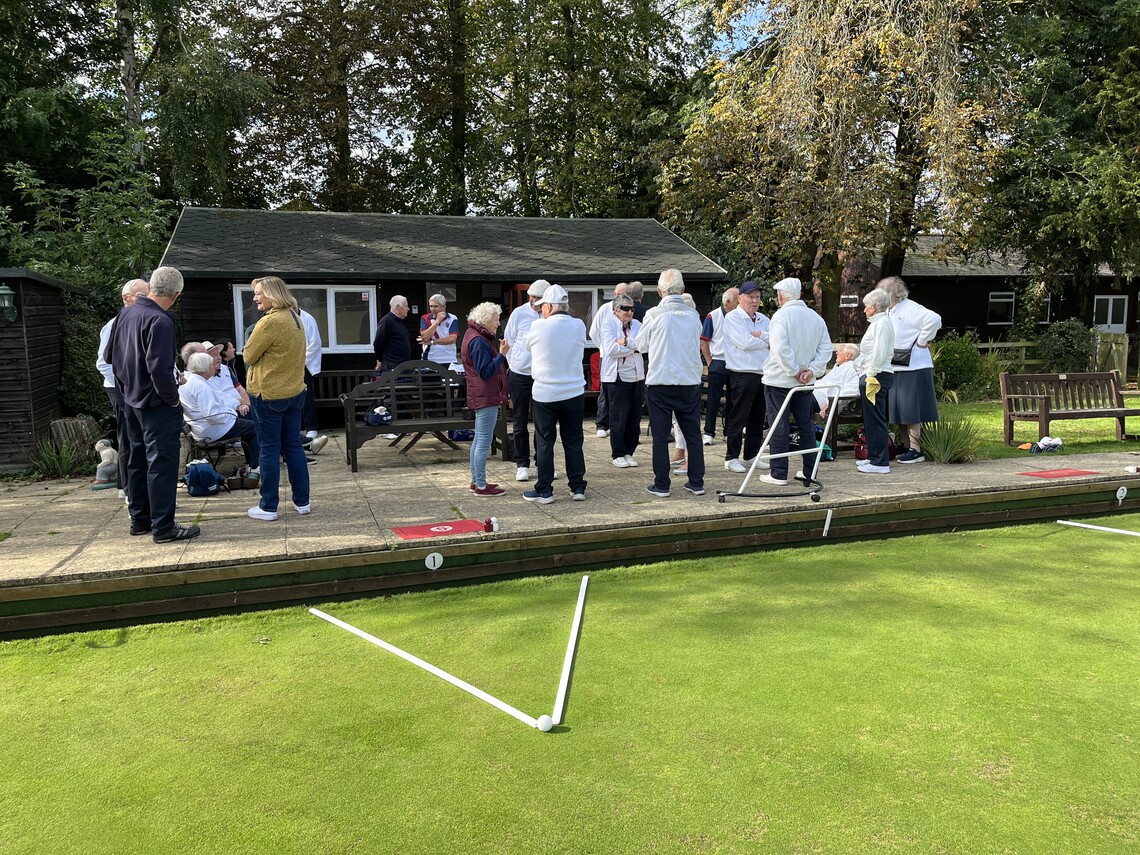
(625, 308)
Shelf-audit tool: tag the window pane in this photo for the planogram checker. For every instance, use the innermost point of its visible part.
(1001, 307)
(352, 319)
(1100, 311)
(581, 306)
(1118, 309)
(249, 316)
(315, 302)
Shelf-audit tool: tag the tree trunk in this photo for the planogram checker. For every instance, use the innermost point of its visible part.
(910, 161)
(128, 62)
(457, 94)
(569, 148)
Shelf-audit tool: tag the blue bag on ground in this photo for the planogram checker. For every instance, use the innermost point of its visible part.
(202, 479)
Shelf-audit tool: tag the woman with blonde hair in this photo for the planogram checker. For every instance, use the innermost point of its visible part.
(486, 373)
(274, 356)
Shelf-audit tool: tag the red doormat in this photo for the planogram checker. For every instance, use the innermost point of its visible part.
(415, 532)
(1058, 473)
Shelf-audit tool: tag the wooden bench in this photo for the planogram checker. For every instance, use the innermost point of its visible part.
(423, 397)
(1044, 398)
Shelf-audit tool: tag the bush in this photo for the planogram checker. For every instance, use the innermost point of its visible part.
(954, 440)
(957, 363)
(1066, 346)
(80, 384)
(62, 461)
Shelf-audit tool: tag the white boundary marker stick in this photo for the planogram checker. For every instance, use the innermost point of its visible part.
(1100, 528)
(827, 522)
(571, 647)
(427, 666)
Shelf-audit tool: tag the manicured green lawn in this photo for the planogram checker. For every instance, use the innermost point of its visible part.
(966, 692)
(1080, 436)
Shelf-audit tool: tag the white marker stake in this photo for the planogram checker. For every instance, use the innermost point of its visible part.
(427, 666)
(827, 522)
(1099, 528)
(571, 647)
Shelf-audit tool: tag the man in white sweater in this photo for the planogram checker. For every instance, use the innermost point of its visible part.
(745, 352)
(556, 343)
(519, 377)
(798, 351)
(671, 337)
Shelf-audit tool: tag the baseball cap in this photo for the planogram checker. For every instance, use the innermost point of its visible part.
(554, 294)
(749, 287)
(537, 288)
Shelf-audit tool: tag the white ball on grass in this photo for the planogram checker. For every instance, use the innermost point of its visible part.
(545, 722)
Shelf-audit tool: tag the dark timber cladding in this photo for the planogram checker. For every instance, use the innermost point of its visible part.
(31, 361)
(210, 243)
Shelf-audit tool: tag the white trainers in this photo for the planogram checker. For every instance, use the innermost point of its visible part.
(522, 474)
(872, 469)
(603, 432)
(735, 465)
(302, 509)
(706, 439)
(768, 478)
(630, 462)
(862, 463)
(800, 476)
(256, 513)
(621, 462)
(761, 465)
(317, 444)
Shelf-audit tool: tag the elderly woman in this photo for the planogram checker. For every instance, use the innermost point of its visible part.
(486, 372)
(874, 364)
(840, 382)
(913, 400)
(623, 376)
(210, 413)
(274, 356)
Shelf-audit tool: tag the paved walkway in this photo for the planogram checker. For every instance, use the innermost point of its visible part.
(63, 530)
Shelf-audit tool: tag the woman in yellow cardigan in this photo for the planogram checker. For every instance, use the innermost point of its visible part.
(274, 358)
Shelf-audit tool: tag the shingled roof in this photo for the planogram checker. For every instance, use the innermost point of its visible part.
(217, 242)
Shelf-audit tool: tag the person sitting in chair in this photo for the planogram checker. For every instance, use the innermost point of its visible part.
(841, 382)
(211, 415)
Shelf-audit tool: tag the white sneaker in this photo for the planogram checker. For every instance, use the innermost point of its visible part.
(522, 474)
(317, 444)
(621, 462)
(256, 513)
(772, 479)
(872, 469)
(302, 509)
(311, 434)
(761, 465)
(800, 476)
(681, 470)
(735, 465)
(862, 463)
(603, 432)
(706, 439)
(630, 462)
(122, 494)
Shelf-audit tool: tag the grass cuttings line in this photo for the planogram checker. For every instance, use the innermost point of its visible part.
(969, 692)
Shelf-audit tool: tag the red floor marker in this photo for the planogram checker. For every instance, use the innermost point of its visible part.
(416, 532)
(1059, 473)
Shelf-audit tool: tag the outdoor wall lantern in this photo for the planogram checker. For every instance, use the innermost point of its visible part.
(8, 303)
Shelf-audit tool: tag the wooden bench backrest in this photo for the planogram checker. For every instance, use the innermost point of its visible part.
(1086, 391)
(413, 390)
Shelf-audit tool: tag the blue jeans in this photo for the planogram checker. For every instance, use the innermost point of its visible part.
(279, 432)
(152, 453)
(485, 420)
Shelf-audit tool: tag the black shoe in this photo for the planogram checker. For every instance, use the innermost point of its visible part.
(138, 528)
(178, 532)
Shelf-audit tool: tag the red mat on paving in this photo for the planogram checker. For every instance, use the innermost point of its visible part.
(1058, 473)
(415, 532)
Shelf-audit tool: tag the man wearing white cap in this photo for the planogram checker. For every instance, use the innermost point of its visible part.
(519, 376)
(556, 342)
(745, 352)
(798, 352)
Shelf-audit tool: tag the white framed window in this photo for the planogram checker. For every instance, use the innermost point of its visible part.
(585, 300)
(345, 315)
(1046, 311)
(1110, 312)
(1000, 313)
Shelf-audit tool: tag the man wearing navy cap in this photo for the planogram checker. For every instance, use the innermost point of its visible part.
(745, 352)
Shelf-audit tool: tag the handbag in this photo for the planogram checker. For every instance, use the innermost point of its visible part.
(901, 356)
(861, 452)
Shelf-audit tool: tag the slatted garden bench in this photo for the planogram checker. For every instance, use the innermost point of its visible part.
(1044, 398)
(423, 397)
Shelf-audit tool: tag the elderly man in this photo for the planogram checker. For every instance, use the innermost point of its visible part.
(556, 342)
(438, 332)
(712, 348)
(745, 352)
(129, 293)
(519, 376)
(604, 318)
(392, 344)
(209, 412)
(141, 349)
(636, 290)
(671, 337)
(312, 369)
(799, 348)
